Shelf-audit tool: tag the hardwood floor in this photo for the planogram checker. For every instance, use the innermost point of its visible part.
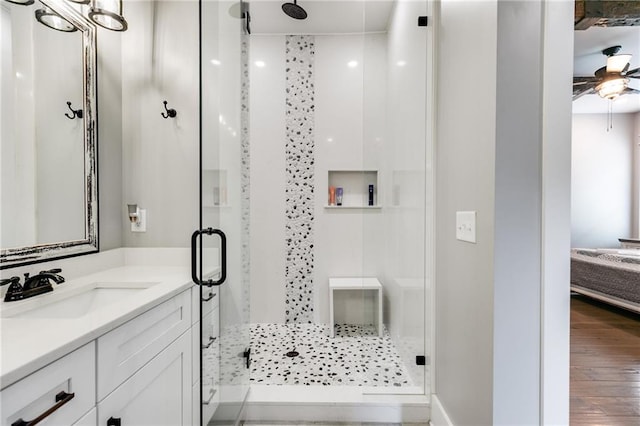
(605, 364)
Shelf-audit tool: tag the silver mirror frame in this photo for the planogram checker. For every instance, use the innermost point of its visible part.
(20, 256)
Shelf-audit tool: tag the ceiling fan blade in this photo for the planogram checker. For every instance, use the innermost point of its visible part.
(630, 91)
(617, 63)
(584, 83)
(633, 71)
(580, 91)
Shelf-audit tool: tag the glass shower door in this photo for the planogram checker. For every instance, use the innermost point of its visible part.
(224, 232)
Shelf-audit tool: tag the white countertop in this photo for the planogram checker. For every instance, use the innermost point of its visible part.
(28, 344)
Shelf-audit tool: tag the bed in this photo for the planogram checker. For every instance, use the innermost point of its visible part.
(609, 275)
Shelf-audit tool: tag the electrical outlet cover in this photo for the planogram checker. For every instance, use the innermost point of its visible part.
(141, 224)
(466, 226)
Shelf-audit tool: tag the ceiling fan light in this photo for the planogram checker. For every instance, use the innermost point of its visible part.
(612, 88)
(617, 63)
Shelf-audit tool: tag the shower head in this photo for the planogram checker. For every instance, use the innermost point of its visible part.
(294, 11)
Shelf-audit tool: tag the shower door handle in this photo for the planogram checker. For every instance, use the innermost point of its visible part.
(223, 257)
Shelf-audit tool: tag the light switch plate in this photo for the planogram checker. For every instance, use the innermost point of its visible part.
(141, 224)
(466, 226)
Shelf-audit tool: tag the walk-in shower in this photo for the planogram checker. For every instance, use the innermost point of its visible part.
(331, 101)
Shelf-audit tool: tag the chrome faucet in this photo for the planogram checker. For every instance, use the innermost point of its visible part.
(33, 286)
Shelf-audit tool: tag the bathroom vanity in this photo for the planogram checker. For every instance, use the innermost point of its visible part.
(109, 348)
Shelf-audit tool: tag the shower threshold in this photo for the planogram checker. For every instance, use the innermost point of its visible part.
(295, 403)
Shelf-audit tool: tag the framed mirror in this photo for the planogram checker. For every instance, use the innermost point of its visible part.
(48, 164)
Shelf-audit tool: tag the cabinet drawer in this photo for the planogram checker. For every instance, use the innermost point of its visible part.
(126, 349)
(210, 301)
(36, 393)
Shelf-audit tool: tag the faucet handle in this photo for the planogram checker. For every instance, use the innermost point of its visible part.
(52, 271)
(11, 280)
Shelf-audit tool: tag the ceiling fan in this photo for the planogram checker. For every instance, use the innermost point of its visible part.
(611, 80)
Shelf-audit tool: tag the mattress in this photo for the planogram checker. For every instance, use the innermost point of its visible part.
(611, 272)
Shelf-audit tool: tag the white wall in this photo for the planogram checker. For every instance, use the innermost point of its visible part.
(350, 127)
(465, 158)
(110, 186)
(267, 179)
(340, 139)
(160, 157)
(602, 180)
(497, 301)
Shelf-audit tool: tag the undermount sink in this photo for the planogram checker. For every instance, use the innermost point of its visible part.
(77, 302)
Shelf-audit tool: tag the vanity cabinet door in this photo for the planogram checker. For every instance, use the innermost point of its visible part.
(157, 394)
(65, 388)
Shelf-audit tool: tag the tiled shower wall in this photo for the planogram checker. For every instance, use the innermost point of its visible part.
(308, 117)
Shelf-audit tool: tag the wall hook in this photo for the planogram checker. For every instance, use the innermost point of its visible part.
(75, 112)
(170, 111)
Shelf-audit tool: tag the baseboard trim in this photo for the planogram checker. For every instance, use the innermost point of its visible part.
(439, 416)
(337, 404)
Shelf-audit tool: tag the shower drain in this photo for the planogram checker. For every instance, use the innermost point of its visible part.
(292, 354)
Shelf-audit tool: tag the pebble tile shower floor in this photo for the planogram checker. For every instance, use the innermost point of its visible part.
(357, 356)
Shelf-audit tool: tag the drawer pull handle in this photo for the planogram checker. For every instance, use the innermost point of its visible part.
(211, 394)
(114, 421)
(61, 399)
(211, 296)
(208, 345)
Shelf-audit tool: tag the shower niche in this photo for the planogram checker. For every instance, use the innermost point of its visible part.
(355, 187)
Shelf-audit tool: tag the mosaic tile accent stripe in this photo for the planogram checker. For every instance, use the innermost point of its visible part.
(299, 150)
(245, 179)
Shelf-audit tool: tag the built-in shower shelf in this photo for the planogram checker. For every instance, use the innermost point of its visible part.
(355, 187)
(352, 207)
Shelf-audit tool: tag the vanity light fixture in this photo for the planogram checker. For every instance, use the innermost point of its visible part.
(108, 14)
(105, 13)
(52, 20)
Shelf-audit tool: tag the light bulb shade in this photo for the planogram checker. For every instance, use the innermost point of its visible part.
(22, 3)
(617, 63)
(52, 20)
(612, 88)
(108, 14)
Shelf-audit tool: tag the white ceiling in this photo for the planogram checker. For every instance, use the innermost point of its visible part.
(357, 16)
(324, 16)
(588, 57)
